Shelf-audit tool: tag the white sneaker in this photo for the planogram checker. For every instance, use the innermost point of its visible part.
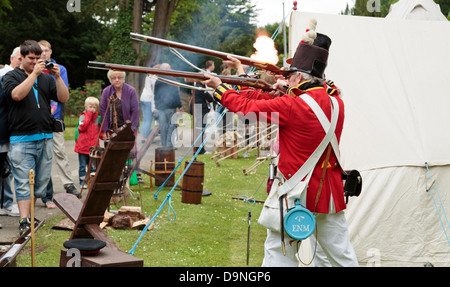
(12, 210)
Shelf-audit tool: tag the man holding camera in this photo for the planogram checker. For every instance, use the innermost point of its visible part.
(59, 151)
(28, 93)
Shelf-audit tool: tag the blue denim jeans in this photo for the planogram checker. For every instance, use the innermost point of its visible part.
(83, 159)
(6, 196)
(26, 156)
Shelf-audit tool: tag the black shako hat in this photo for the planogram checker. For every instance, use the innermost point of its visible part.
(311, 55)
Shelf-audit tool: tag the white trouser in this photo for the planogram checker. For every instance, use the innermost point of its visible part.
(333, 246)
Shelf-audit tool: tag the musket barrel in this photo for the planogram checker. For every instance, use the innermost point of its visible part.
(224, 56)
(249, 82)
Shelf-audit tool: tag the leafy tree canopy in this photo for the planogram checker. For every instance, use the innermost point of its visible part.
(95, 33)
(4, 7)
(76, 38)
(223, 25)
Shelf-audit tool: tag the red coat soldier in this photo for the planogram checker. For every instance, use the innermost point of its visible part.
(300, 132)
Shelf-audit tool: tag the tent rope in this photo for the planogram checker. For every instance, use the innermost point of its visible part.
(180, 160)
(169, 195)
(251, 199)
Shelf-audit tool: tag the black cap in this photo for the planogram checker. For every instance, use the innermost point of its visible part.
(86, 246)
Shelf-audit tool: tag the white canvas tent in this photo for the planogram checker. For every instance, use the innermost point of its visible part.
(394, 76)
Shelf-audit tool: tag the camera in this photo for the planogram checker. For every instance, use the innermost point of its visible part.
(48, 64)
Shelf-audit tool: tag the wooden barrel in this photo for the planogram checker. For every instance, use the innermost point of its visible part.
(192, 187)
(164, 165)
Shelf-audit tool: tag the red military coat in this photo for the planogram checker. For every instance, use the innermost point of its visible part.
(300, 132)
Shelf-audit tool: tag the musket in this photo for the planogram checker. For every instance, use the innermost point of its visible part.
(233, 80)
(224, 56)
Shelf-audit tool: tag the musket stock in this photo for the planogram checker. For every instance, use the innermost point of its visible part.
(224, 56)
(240, 81)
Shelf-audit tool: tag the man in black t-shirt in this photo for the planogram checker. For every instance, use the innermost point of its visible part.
(28, 94)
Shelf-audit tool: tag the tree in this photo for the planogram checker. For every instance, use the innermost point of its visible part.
(361, 8)
(238, 34)
(445, 7)
(101, 31)
(222, 25)
(4, 6)
(123, 50)
(162, 19)
(76, 38)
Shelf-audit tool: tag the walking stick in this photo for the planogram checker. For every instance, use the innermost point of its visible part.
(31, 178)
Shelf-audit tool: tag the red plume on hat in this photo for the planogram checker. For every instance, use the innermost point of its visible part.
(312, 52)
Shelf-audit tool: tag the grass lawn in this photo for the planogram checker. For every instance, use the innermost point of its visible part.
(213, 233)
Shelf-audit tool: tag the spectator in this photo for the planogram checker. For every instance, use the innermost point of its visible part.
(203, 104)
(7, 205)
(59, 151)
(89, 129)
(167, 100)
(126, 103)
(119, 103)
(28, 93)
(148, 105)
(14, 60)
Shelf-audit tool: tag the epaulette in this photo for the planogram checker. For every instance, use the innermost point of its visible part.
(332, 90)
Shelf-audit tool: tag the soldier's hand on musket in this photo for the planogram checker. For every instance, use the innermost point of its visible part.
(234, 64)
(212, 82)
(217, 85)
(279, 87)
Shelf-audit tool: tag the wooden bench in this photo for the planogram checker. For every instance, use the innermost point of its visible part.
(88, 215)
